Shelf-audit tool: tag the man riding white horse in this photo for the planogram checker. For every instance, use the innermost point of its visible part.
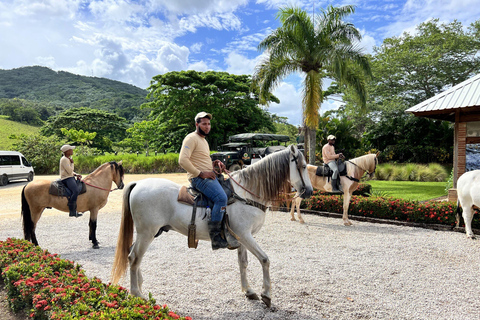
(329, 158)
(195, 159)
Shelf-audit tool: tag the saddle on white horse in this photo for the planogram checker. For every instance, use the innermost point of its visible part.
(193, 197)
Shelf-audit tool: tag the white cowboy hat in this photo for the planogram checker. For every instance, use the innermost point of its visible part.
(66, 147)
(331, 137)
(203, 114)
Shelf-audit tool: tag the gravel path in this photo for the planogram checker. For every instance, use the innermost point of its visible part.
(319, 270)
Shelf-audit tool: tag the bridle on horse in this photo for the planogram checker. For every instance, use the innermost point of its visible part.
(297, 164)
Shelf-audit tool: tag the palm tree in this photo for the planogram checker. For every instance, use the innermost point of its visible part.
(326, 49)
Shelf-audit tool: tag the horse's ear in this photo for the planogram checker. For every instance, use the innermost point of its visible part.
(378, 153)
(292, 148)
(120, 162)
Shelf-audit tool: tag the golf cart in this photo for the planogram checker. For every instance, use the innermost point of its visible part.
(246, 148)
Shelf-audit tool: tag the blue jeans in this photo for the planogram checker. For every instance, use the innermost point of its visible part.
(334, 167)
(71, 184)
(214, 191)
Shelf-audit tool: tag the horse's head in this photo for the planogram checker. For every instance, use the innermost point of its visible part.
(117, 173)
(299, 174)
(371, 164)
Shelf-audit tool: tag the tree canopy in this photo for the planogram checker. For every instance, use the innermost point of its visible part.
(179, 95)
(109, 127)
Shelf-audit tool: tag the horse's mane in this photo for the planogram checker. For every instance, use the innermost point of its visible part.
(112, 164)
(268, 177)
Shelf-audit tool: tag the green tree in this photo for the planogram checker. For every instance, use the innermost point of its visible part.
(20, 110)
(43, 152)
(323, 48)
(79, 136)
(408, 70)
(179, 96)
(141, 135)
(108, 126)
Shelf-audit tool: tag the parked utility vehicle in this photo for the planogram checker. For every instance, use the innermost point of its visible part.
(247, 148)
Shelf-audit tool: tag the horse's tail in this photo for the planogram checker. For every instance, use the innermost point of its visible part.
(125, 238)
(27, 218)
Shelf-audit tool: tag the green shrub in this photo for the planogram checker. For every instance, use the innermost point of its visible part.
(132, 163)
(57, 289)
(411, 172)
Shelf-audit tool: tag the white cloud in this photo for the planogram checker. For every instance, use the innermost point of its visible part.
(195, 6)
(240, 64)
(290, 105)
(200, 66)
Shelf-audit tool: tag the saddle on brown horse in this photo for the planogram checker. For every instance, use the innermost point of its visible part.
(57, 188)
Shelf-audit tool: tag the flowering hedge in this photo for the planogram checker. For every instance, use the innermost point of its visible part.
(53, 289)
(389, 208)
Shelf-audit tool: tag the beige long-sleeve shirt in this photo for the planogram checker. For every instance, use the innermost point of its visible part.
(195, 155)
(66, 168)
(328, 153)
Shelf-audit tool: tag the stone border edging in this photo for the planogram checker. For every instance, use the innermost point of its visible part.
(439, 227)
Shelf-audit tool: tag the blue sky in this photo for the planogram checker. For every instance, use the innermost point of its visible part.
(134, 40)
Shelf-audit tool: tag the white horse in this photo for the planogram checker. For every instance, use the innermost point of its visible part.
(151, 206)
(355, 169)
(468, 192)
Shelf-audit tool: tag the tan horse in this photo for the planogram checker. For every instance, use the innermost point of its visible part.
(35, 198)
(355, 169)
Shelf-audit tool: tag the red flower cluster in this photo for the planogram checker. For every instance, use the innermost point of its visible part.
(57, 289)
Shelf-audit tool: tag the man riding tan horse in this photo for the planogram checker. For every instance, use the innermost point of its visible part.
(329, 158)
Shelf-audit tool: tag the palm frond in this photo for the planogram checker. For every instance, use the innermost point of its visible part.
(312, 98)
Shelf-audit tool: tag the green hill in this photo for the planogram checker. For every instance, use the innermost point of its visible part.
(62, 90)
(8, 128)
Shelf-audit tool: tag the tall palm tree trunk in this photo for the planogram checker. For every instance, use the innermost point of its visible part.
(310, 139)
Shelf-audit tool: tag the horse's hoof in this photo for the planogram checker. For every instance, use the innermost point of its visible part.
(301, 221)
(293, 219)
(252, 296)
(267, 301)
(96, 246)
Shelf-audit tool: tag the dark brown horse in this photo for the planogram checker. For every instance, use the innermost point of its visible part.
(36, 197)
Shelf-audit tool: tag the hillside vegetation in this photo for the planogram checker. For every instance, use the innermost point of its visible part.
(63, 90)
(8, 128)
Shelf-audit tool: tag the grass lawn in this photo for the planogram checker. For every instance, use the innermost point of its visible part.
(409, 190)
(8, 128)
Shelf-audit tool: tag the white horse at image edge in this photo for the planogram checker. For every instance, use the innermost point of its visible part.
(468, 192)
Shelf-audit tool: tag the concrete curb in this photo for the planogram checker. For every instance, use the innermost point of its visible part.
(439, 227)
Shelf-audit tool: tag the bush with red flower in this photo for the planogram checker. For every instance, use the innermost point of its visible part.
(388, 208)
(53, 288)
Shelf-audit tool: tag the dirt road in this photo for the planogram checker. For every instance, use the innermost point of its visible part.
(10, 195)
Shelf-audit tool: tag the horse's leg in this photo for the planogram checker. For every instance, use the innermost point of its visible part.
(292, 210)
(135, 258)
(467, 217)
(243, 263)
(92, 224)
(36, 214)
(346, 202)
(298, 202)
(249, 242)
